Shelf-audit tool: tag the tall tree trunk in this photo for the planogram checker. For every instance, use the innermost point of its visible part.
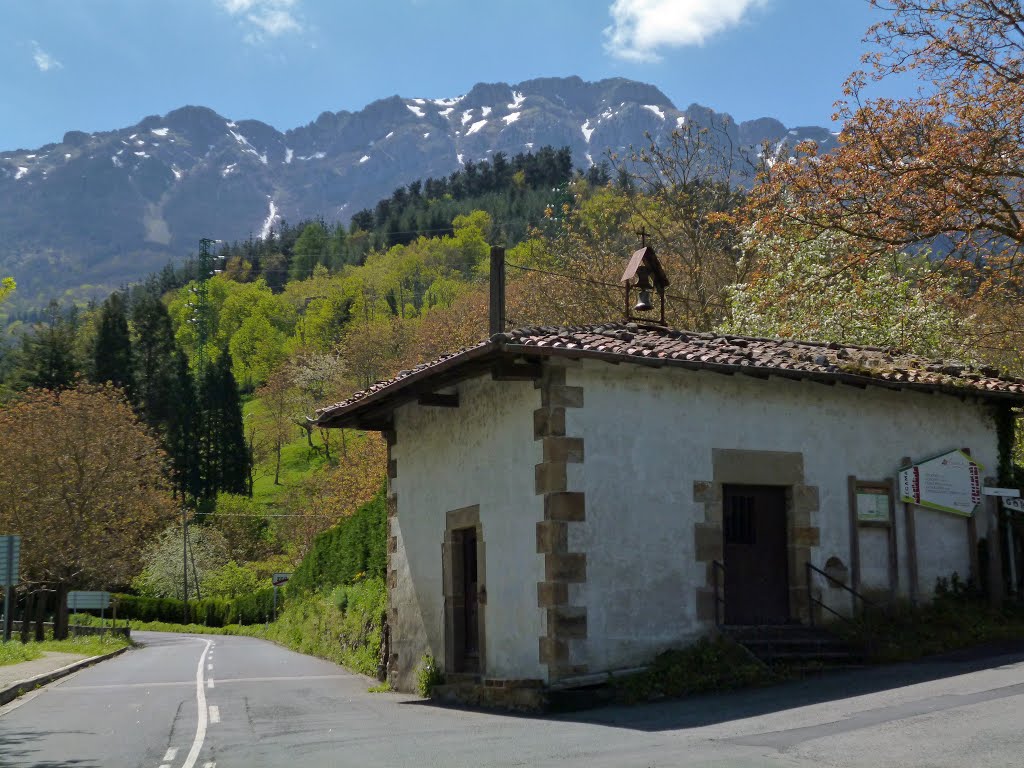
(60, 616)
(277, 466)
(41, 615)
(26, 615)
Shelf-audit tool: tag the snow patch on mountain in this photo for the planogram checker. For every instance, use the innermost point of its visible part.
(485, 111)
(364, 158)
(159, 131)
(587, 131)
(268, 222)
(656, 110)
(227, 170)
(467, 116)
(415, 110)
(517, 99)
(289, 153)
(449, 102)
(509, 119)
(22, 170)
(476, 127)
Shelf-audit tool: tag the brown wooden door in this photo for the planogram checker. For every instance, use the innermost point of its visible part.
(465, 603)
(756, 567)
(471, 626)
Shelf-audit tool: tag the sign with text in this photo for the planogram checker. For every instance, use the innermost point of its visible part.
(872, 505)
(949, 483)
(1013, 505)
(10, 555)
(88, 601)
(280, 579)
(1011, 493)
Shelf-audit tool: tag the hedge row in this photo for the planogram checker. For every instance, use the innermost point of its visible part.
(353, 549)
(212, 612)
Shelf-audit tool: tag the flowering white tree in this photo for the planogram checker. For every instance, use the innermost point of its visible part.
(810, 289)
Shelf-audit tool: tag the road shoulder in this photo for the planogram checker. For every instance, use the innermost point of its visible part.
(16, 679)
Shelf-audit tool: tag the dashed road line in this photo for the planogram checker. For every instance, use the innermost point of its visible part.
(172, 752)
(214, 713)
(209, 683)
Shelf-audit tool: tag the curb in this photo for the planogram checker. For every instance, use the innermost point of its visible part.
(24, 686)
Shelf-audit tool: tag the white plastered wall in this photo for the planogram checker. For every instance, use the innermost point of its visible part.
(649, 435)
(481, 453)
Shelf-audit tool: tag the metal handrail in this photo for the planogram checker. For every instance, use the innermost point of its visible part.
(717, 567)
(812, 601)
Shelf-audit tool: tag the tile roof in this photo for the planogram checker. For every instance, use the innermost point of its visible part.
(654, 345)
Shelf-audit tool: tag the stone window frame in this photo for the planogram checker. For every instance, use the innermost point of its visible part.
(746, 467)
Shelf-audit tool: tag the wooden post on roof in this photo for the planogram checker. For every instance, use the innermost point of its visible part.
(497, 303)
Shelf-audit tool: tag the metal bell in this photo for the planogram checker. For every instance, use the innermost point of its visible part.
(643, 302)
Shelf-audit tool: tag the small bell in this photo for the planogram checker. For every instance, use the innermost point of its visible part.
(643, 302)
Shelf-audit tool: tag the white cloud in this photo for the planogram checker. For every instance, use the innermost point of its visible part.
(43, 60)
(640, 27)
(264, 19)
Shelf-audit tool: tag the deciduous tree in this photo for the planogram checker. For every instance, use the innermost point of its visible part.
(84, 483)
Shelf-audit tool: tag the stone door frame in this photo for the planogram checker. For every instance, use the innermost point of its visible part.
(451, 577)
(742, 467)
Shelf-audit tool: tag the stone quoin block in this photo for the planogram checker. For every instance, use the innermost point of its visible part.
(568, 567)
(552, 536)
(548, 422)
(550, 477)
(552, 593)
(568, 450)
(569, 506)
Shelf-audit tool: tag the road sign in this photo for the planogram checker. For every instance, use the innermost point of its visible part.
(10, 553)
(1006, 493)
(949, 483)
(1014, 505)
(280, 579)
(88, 601)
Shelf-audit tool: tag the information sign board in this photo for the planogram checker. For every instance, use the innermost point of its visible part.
(1014, 505)
(872, 505)
(280, 579)
(88, 601)
(949, 483)
(10, 554)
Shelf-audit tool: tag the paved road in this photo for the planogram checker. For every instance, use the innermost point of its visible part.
(264, 706)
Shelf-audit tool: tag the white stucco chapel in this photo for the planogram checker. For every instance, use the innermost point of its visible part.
(566, 502)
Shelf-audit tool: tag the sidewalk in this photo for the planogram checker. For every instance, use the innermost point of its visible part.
(16, 679)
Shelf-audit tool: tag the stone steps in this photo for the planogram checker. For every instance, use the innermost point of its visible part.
(796, 646)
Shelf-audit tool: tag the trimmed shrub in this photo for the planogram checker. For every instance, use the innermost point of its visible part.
(355, 548)
(211, 612)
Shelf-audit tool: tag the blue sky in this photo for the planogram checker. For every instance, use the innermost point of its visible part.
(102, 64)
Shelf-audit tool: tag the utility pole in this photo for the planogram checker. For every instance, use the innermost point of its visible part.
(497, 302)
(184, 562)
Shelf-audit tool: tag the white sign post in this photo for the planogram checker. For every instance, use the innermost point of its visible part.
(949, 483)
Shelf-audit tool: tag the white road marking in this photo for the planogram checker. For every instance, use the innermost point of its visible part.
(210, 765)
(209, 667)
(172, 752)
(165, 765)
(214, 713)
(197, 743)
(209, 683)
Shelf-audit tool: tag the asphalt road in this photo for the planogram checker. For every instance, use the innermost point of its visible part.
(184, 701)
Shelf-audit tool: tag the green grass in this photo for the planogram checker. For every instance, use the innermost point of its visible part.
(94, 645)
(297, 460)
(947, 623)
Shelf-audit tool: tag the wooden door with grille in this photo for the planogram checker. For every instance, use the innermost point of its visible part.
(755, 554)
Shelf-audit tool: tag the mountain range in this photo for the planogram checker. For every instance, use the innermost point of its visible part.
(98, 209)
